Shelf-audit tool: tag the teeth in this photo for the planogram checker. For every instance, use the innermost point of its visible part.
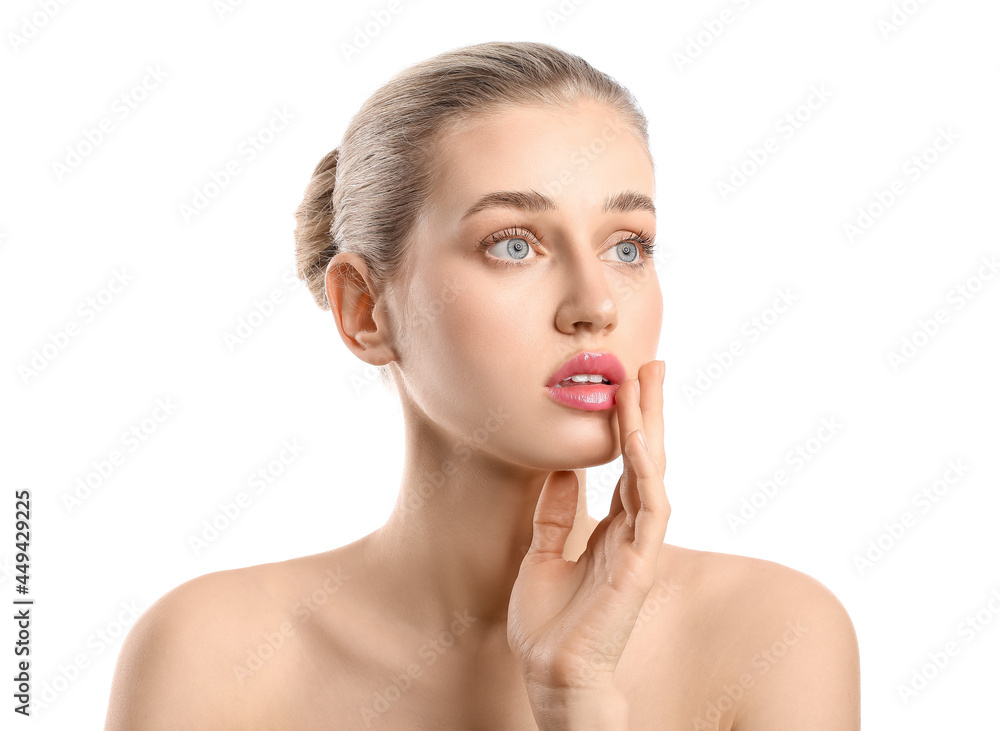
(583, 378)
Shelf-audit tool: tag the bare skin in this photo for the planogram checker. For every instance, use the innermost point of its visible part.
(408, 627)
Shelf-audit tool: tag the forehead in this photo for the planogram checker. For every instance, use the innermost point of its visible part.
(577, 155)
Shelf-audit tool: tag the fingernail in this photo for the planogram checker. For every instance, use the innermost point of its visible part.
(642, 438)
(636, 391)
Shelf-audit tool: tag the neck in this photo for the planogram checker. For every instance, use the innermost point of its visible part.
(458, 532)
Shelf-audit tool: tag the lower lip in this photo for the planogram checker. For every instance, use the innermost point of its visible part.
(592, 397)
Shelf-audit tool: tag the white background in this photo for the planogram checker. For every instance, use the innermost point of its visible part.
(64, 234)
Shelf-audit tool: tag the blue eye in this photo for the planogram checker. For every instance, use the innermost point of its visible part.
(517, 247)
(628, 249)
(518, 244)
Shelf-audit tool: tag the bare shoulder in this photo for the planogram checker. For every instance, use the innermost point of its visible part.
(184, 664)
(747, 579)
(794, 659)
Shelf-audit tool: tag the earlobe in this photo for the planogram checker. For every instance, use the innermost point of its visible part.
(355, 304)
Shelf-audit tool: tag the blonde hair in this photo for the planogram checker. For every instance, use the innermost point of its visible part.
(365, 195)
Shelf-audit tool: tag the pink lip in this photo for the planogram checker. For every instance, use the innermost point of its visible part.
(590, 397)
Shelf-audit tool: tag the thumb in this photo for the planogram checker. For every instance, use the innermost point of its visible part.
(555, 513)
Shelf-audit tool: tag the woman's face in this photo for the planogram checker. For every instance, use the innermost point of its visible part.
(484, 327)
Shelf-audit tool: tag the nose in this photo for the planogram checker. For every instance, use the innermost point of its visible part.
(588, 302)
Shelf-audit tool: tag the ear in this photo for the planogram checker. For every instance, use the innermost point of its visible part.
(358, 310)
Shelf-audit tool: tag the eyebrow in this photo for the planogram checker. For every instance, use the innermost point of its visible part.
(535, 202)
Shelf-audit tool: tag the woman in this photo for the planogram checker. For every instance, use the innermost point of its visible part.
(484, 233)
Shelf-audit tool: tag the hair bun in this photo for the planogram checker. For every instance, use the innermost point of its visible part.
(314, 244)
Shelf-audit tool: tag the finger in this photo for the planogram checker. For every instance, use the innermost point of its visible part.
(616, 499)
(627, 398)
(555, 513)
(651, 405)
(654, 510)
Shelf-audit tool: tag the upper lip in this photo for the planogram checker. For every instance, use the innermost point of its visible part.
(602, 364)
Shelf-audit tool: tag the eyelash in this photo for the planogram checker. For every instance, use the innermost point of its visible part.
(645, 241)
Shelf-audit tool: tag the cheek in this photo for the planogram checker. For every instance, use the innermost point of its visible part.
(476, 334)
(463, 367)
(472, 309)
(454, 327)
(484, 341)
(481, 321)
(640, 311)
(651, 311)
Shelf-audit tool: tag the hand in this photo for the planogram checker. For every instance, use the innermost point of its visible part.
(568, 622)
